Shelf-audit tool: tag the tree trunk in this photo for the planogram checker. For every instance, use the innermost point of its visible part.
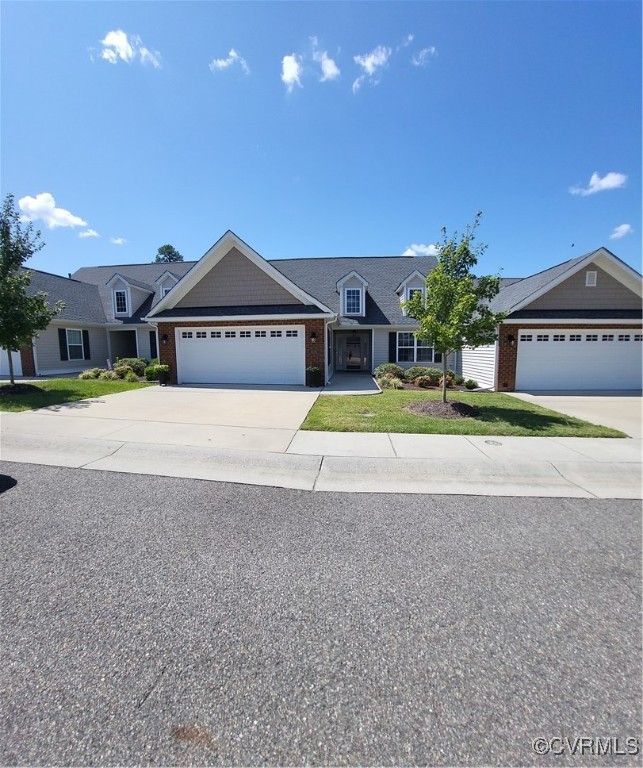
(11, 377)
(444, 377)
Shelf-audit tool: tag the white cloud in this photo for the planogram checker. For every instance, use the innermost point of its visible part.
(422, 58)
(291, 71)
(117, 45)
(371, 63)
(88, 233)
(330, 70)
(233, 58)
(117, 240)
(621, 231)
(611, 180)
(43, 207)
(419, 249)
(409, 39)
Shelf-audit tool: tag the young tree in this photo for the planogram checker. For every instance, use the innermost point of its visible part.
(167, 254)
(455, 311)
(21, 315)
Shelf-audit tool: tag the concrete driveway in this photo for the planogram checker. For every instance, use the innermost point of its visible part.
(617, 409)
(259, 418)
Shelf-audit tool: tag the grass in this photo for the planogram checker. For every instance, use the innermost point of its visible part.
(499, 415)
(59, 391)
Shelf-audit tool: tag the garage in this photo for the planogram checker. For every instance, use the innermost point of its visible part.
(4, 363)
(241, 355)
(582, 359)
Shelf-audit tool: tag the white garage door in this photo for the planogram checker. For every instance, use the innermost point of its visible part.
(4, 363)
(588, 358)
(252, 355)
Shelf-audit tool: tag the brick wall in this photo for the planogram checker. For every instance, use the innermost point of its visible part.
(314, 350)
(508, 354)
(27, 360)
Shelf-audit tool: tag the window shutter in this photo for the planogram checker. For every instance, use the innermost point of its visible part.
(153, 350)
(392, 347)
(62, 342)
(86, 351)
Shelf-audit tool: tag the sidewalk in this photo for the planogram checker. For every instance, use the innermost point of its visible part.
(331, 461)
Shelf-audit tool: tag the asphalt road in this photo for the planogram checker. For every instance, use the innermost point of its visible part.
(155, 621)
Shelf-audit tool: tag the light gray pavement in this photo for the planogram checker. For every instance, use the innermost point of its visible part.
(618, 409)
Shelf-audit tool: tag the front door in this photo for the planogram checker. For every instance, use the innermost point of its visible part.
(352, 351)
(354, 354)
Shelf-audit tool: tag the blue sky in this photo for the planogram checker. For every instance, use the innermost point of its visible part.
(323, 128)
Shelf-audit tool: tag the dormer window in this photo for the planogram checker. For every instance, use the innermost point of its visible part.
(412, 291)
(120, 302)
(353, 301)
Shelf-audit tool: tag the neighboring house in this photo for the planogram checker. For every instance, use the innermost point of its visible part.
(233, 317)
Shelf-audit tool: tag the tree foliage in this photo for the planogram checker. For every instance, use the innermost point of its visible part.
(21, 315)
(455, 311)
(167, 254)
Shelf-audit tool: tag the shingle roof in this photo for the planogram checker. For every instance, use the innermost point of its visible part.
(135, 283)
(319, 277)
(262, 309)
(82, 301)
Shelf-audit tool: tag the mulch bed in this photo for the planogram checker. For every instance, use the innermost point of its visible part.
(18, 389)
(438, 409)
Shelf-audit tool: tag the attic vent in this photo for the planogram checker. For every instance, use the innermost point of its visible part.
(590, 279)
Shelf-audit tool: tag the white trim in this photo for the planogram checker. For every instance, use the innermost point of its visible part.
(572, 321)
(127, 282)
(618, 269)
(350, 276)
(165, 274)
(128, 301)
(35, 357)
(591, 278)
(212, 257)
(240, 318)
(408, 278)
(415, 361)
(82, 345)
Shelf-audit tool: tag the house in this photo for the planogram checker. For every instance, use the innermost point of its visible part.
(234, 317)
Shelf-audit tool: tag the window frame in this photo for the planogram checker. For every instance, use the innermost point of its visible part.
(75, 344)
(359, 292)
(124, 292)
(436, 357)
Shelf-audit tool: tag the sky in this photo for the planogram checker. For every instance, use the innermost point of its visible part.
(317, 129)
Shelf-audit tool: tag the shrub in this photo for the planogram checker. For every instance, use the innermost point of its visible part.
(122, 370)
(137, 364)
(92, 373)
(425, 382)
(151, 373)
(108, 376)
(390, 383)
(471, 384)
(385, 368)
(131, 376)
(449, 381)
(434, 374)
(416, 371)
(459, 380)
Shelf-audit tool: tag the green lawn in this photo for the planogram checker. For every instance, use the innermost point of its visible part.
(499, 415)
(57, 391)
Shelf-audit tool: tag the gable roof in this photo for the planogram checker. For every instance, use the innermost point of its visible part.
(131, 281)
(82, 301)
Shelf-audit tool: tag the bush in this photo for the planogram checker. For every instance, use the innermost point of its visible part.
(122, 370)
(137, 364)
(390, 383)
(410, 374)
(108, 376)
(471, 384)
(459, 380)
(131, 376)
(92, 373)
(385, 368)
(434, 374)
(449, 381)
(154, 361)
(425, 382)
(151, 373)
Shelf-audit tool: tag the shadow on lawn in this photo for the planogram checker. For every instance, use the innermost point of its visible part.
(492, 414)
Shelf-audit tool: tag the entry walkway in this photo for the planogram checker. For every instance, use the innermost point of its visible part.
(351, 384)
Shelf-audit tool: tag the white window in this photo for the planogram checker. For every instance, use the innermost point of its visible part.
(201, 335)
(231, 334)
(186, 334)
(215, 334)
(245, 334)
(275, 334)
(353, 301)
(608, 337)
(412, 350)
(559, 337)
(574, 336)
(260, 334)
(590, 279)
(542, 337)
(412, 291)
(292, 334)
(120, 302)
(75, 344)
(526, 337)
(624, 337)
(591, 337)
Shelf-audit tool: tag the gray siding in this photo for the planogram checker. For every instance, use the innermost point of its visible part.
(236, 281)
(480, 364)
(573, 294)
(48, 350)
(137, 297)
(144, 342)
